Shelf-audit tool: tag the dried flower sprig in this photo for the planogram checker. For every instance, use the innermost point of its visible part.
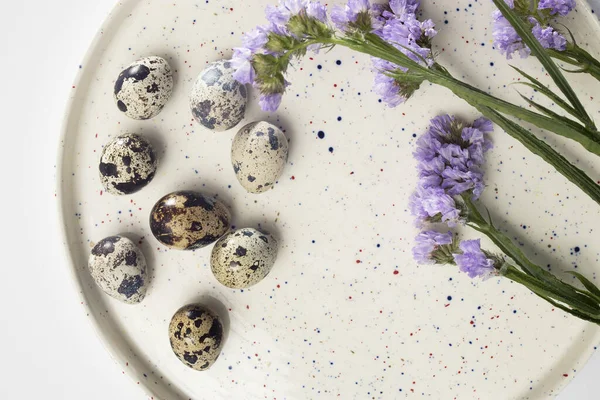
(543, 17)
(400, 45)
(449, 158)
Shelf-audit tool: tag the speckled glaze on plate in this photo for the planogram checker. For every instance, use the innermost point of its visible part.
(345, 312)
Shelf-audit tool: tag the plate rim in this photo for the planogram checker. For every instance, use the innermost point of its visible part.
(118, 356)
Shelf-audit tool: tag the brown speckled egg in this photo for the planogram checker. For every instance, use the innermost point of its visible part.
(144, 87)
(187, 220)
(119, 269)
(196, 336)
(243, 258)
(127, 164)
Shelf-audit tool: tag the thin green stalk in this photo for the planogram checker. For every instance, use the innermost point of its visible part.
(578, 57)
(523, 28)
(486, 104)
(536, 287)
(584, 301)
(547, 153)
(377, 47)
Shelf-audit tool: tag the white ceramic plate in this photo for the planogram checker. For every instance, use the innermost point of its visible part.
(345, 313)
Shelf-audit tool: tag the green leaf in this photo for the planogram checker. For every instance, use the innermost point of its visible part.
(547, 153)
(524, 30)
(583, 138)
(477, 98)
(537, 85)
(571, 311)
(586, 283)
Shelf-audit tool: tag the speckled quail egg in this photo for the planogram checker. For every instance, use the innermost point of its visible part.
(196, 336)
(119, 269)
(217, 100)
(187, 220)
(143, 88)
(242, 258)
(127, 164)
(258, 154)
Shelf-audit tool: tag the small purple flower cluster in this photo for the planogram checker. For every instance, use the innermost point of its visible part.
(428, 243)
(506, 39)
(449, 160)
(449, 156)
(257, 61)
(255, 41)
(397, 23)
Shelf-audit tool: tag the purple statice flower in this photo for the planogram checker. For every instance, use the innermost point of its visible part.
(387, 88)
(404, 7)
(549, 38)
(560, 7)
(427, 243)
(506, 39)
(241, 63)
(449, 159)
(430, 203)
(473, 261)
(270, 102)
(343, 16)
(317, 10)
(405, 34)
(399, 26)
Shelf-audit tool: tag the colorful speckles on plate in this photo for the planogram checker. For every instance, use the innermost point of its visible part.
(345, 312)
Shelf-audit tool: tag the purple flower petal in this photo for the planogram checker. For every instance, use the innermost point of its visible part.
(549, 38)
(317, 10)
(244, 72)
(560, 7)
(427, 242)
(473, 261)
(270, 102)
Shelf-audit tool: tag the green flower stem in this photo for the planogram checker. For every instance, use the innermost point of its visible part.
(532, 284)
(490, 106)
(533, 276)
(523, 28)
(578, 57)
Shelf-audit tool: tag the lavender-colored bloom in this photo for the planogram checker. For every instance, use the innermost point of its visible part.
(341, 16)
(270, 102)
(427, 242)
(506, 39)
(449, 158)
(549, 38)
(403, 7)
(387, 88)
(402, 29)
(256, 39)
(484, 125)
(244, 72)
(434, 202)
(473, 261)
(317, 10)
(560, 7)
(405, 33)
(277, 15)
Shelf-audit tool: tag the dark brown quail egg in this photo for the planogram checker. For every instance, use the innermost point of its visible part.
(127, 164)
(196, 336)
(119, 269)
(187, 220)
(143, 88)
(217, 100)
(242, 258)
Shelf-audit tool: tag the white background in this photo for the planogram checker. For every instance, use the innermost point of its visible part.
(47, 347)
